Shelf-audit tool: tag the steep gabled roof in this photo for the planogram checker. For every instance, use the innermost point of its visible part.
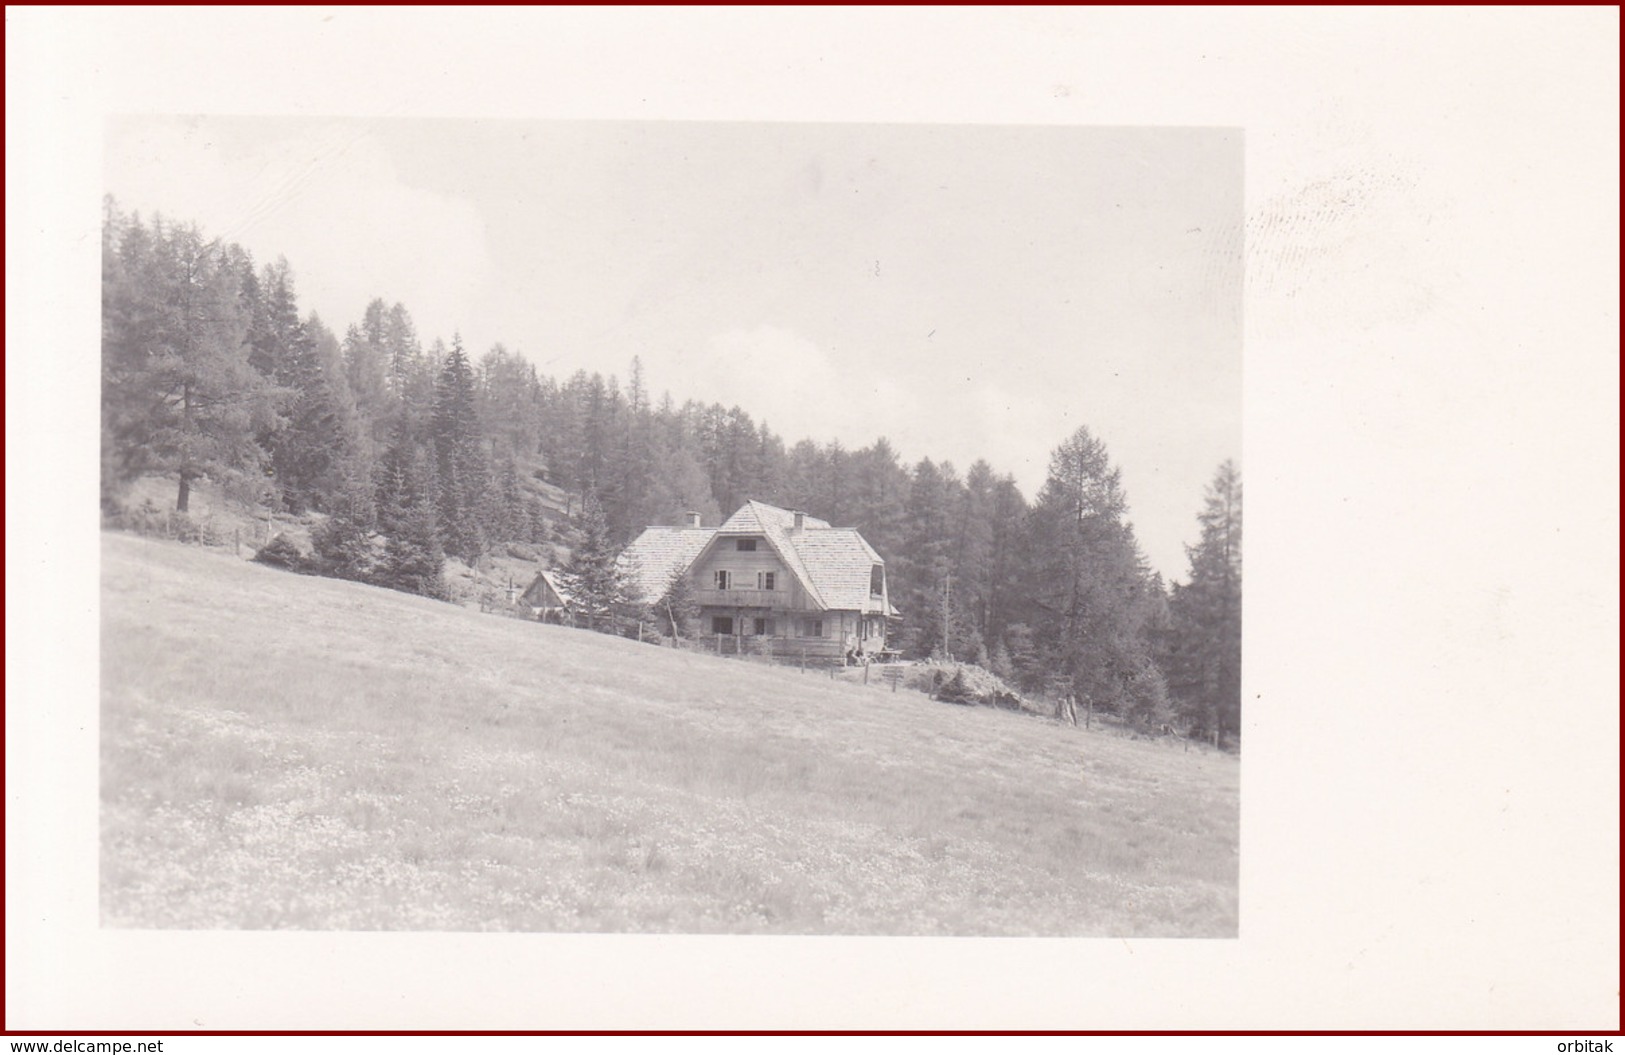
(777, 526)
(839, 561)
(658, 554)
(538, 597)
(832, 564)
(755, 517)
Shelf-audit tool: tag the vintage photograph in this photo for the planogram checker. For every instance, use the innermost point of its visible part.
(670, 526)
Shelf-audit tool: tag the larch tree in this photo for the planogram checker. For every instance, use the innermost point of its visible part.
(366, 371)
(680, 486)
(178, 392)
(924, 568)
(1089, 582)
(1205, 615)
(880, 487)
(974, 541)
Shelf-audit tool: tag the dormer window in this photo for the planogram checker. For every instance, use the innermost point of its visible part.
(877, 581)
(746, 545)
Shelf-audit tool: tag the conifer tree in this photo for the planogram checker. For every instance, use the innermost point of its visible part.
(680, 486)
(1088, 582)
(460, 462)
(315, 449)
(879, 489)
(178, 392)
(598, 595)
(924, 568)
(678, 609)
(366, 371)
(1205, 617)
(413, 560)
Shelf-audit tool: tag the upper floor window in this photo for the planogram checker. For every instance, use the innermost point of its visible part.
(877, 581)
(722, 579)
(764, 580)
(746, 545)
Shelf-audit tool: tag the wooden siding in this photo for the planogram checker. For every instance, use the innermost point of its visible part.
(840, 630)
(541, 595)
(742, 567)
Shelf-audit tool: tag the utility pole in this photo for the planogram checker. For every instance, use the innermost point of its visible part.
(947, 596)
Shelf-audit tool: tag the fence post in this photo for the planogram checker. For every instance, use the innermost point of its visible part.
(866, 673)
(237, 541)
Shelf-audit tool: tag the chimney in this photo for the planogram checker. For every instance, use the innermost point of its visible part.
(801, 520)
(693, 519)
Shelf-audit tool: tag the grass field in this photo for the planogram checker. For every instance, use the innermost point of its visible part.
(288, 752)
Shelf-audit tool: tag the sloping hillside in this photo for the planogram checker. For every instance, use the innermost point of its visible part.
(280, 751)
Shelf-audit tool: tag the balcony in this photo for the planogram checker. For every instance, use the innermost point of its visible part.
(743, 598)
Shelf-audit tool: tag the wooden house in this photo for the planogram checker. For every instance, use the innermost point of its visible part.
(547, 598)
(771, 581)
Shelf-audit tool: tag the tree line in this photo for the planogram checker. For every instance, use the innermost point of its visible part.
(415, 452)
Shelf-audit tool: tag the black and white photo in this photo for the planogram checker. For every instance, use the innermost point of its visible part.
(617, 526)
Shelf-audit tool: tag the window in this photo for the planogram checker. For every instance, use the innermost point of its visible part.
(746, 545)
(764, 580)
(722, 624)
(764, 627)
(812, 628)
(722, 580)
(877, 581)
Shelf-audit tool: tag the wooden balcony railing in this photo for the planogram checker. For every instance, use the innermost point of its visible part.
(744, 598)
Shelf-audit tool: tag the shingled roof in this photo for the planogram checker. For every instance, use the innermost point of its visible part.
(777, 526)
(658, 554)
(537, 597)
(832, 564)
(838, 560)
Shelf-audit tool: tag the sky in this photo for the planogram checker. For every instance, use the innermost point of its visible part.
(966, 291)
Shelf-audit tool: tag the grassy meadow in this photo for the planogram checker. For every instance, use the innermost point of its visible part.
(289, 752)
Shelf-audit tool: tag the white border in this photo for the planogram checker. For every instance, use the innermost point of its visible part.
(1430, 829)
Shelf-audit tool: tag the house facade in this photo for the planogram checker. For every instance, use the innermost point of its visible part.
(547, 598)
(771, 581)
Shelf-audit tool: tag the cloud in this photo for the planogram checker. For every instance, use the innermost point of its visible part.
(799, 388)
(326, 196)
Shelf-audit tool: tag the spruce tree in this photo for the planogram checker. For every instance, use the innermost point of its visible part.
(460, 462)
(598, 596)
(316, 448)
(413, 560)
(678, 609)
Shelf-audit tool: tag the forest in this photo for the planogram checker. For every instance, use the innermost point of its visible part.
(414, 450)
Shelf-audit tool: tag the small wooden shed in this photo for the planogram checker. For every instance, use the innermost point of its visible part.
(547, 598)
